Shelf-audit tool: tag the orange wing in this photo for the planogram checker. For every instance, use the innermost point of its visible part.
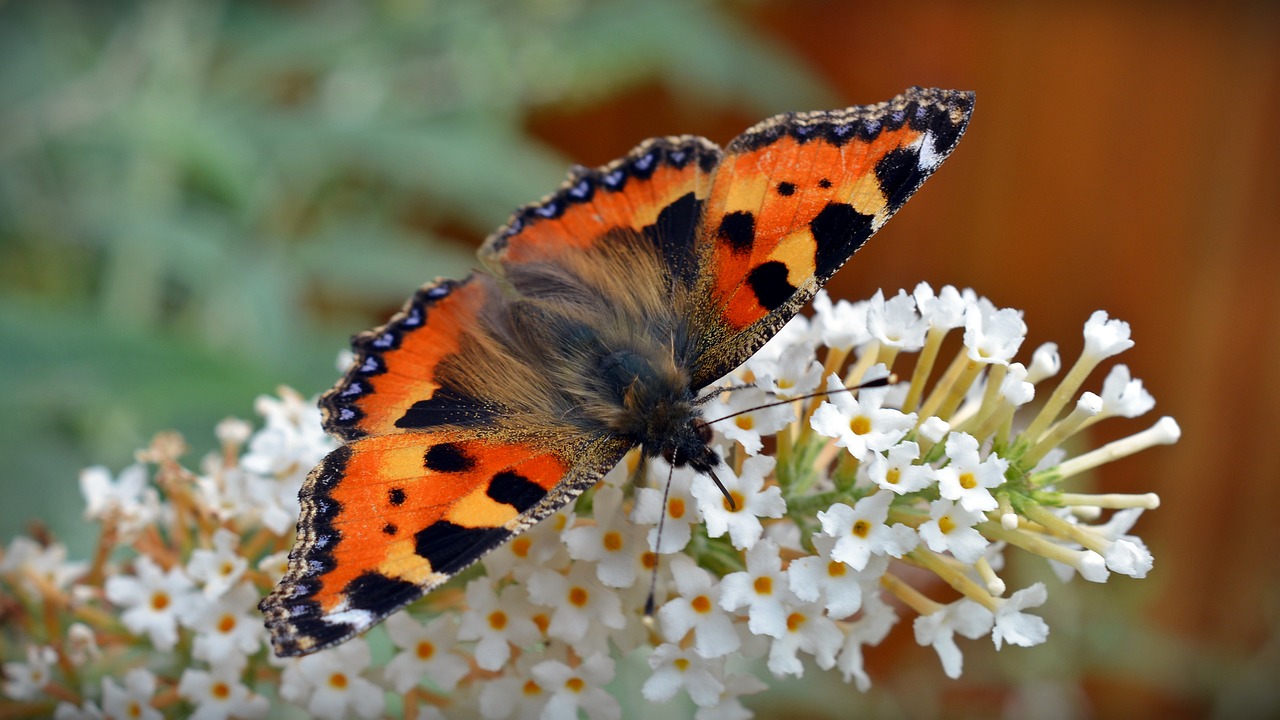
(386, 519)
(796, 195)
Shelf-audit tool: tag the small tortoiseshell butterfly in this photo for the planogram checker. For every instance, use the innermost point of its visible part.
(488, 403)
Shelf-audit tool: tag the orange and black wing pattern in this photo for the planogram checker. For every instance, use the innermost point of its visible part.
(795, 196)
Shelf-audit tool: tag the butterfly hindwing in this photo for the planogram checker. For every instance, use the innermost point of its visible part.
(796, 195)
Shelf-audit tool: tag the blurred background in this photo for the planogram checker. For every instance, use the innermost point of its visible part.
(200, 201)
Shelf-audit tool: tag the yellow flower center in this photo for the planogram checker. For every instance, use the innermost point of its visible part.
(701, 604)
(159, 600)
(764, 585)
(220, 691)
(681, 664)
(892, 476)
(497, 620)
(520, 547)
(532, 688)
(794, 621)
(578, 596)
(836, 569)
(613, 541)
(862, 528)
(737, 501)
(574, 684)
(968, 481)
(226, 623)
(860, 425)
(675, 508)
(744, 421)
(338, 681)
(426, 650)
(946, 524)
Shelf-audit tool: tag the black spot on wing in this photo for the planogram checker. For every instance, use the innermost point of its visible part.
(786, 188)
(769, 283)
(739, 230)
(516, 490)
(396, 496)
(390, 529)
(450, 547)
(448, 458)
(899, 175)
(839, 231)
(674, 233)
(446, 407)
(378, 593)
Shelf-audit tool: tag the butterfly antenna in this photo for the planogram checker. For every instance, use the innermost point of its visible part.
(653, 576)
(728, 497)
(878, 382)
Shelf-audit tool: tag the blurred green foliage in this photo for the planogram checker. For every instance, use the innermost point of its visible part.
(200, 200)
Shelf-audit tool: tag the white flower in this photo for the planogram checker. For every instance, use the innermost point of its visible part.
(82, 644)
(497, 621)
(877, 619)
(821, 577)
(579, 599)
(427, 652)
(1123, 396)
(291, 441)
(1104, 338)
(329, 683)
(154, 601)
(842, 325)
(860, 531)
(218, 694)
(229, 629)
(541, 546)
(25, 557)
(897, 472)
(612, 543)
(1015, 388)
(806, 629)
(968, 478)
(752, 501)
(747, 417)
(128, 498)
(950, 528)
(675, 667)
(1045, 363)
(796, 372)
(680, 510)
(729, 707)
(859, 423)
(578, 688)
(895, 322)
(132, 701)
(516, 693)
(762, 588)
(220, 568)
(1129, 556)
(944, 311)
(26, 681)
(1017, 627)
(697, 608)
(992, 335)
(88, 711)
(938, 629)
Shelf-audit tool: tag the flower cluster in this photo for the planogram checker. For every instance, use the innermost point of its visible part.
(842, 481)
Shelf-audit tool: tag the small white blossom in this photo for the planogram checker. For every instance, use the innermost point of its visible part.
(939, 628)
(680, 511)
(1016, 626)
(763, 589)
(841, 325)
(25, 557)
(26, 681)
(821, 577)
(748, 417)
(128, 498)
(218, 694)
(497, 621)
(943, 311)
(861, 423)
(1045, 363)
(541, 546)
(697, 608)
(861, 531)
(612, 543)
(796, 372)
(426, 652)
(993, 335)
(674, 668)
(220, 568)
(134, 699)
(1123, 396)
(579, 600)
(1104, 338)
(154, 601)
(870, 629)
(950, 529)
(292, 440)
(229, 629)
(752, 501)
(897, 472)
(807, 630)
(329, 683)
(578, 688)
(968, 478)
(895, 322)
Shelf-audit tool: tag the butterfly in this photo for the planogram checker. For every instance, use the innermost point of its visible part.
(488, 403)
